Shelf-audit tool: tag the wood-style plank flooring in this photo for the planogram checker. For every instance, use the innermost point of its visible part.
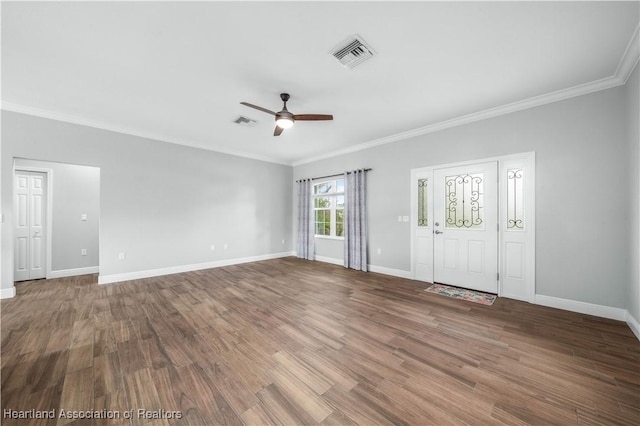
(289, 342)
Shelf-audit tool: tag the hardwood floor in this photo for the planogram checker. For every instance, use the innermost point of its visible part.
(288, 341)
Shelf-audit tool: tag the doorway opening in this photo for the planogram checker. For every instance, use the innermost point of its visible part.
(56, 226)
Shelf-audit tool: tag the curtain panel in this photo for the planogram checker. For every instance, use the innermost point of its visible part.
(305, 241)
(355, 220)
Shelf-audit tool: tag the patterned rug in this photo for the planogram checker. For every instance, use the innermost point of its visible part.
(462, 293)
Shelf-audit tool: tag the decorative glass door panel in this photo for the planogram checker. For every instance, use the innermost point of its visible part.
(515, 199)
(423, 202)
(464, 201)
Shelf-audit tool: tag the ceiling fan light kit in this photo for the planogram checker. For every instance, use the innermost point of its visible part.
(284, 122)
(285, 119)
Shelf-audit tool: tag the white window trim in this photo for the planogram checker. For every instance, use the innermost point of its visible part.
(328, 237)
(333, 209)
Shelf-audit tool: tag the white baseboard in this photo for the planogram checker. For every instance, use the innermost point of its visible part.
(633, 325)
(7, 293)
(127, 276)
(61, 273)
(331, 260)
(372, 268)
(514, 296)
(390, 271)
(582, 307)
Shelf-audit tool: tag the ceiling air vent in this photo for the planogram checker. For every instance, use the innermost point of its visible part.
(244, 121)
(352, 52)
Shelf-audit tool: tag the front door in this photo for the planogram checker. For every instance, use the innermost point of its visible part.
(30, 231)
(465, 226)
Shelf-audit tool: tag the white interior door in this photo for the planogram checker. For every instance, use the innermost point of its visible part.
(30, 231)
(465, 226)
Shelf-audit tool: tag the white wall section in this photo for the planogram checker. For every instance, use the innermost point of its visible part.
(581, 190)
(162, 205)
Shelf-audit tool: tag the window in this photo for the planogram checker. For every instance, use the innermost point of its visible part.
(328, 208)
(515, 199)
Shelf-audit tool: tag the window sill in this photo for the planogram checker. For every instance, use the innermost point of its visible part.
(328, 237)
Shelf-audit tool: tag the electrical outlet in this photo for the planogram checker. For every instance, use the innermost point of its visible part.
(83, 217)
(226, 246)
(121, 256)
(282, 241)
(83, 252)
(379, 251)
(213, 247)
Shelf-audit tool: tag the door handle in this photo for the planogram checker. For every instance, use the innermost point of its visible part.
(438, 232)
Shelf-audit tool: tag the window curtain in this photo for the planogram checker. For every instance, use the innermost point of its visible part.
(355, 220)
(305, 242)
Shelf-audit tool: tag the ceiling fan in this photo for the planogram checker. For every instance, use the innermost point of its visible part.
(284, 119)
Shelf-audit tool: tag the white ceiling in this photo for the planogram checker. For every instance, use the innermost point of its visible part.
(178, 71)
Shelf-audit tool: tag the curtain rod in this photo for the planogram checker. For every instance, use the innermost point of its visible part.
(328, 176)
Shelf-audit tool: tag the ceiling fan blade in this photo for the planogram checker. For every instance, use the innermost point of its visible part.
(258, 108)
(278, 130)
(312, 117)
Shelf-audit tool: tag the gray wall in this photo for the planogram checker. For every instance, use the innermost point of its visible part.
(162, 204)
(75, 191)
(633, 116)
(581, 190)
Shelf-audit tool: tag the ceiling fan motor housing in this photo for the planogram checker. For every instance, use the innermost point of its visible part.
(284, 114)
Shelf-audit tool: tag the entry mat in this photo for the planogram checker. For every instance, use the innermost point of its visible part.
(462, 293)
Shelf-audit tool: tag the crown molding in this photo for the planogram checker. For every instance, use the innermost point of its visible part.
(630, 57)
(625, 67)
(535, 101)
(75, 119)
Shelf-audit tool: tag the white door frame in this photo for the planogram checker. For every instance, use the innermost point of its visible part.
(516, 247)
(48, 243)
